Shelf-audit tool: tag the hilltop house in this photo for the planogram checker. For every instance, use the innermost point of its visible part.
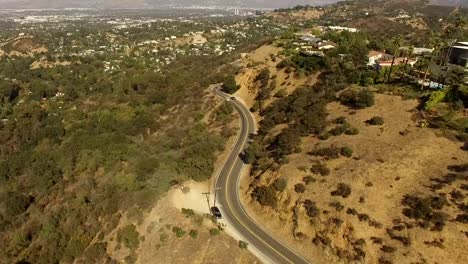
(375, 56)
(326, 45)
(381, 59)
(458, 54)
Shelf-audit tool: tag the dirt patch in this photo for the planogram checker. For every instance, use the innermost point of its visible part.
(366, 225)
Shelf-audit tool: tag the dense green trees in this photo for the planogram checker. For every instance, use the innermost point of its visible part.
(104, 135)
(230, 85)
(357, 98)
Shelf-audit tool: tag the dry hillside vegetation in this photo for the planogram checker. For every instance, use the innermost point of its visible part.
(303, 14)
(22, 46)
(175, 235)
(267, 58)
(393, 193)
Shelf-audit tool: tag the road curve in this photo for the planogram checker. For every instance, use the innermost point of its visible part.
(227, 186)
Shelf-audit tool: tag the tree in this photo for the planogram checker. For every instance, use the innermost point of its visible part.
(435, 43)
(230, 85)
(409, 55)
(397, 43)
(17, 203)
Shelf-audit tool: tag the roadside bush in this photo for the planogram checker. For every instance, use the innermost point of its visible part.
(188, 212)
(320, 169)
(214, 232)
(265, 196)
(375, 121)
(280, 184)
(299, 188)
(342, 190)
(229, 85)
(243, 244)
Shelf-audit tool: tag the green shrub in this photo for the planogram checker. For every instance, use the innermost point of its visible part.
(311, 208)
(230, 85)
(331, 152)
(338, 130)
(320, 169)
(129, 236)
(17, 203)
(435, 98)
(193, 234)
(281, 93)
(188, 212)
(265, 196)
(214, 232)
(280, 184)
(308, 180)
(352, 131)
(179, 232)
(243, 244)
(342, 190)
(357, 98)
(346, 151)
(325, 136)
(375, 121)
(340, 120)
(299, 188)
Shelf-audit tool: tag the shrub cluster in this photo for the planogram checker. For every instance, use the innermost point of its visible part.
(422, 209)
(342, 190)
(375, 121)
(311, 208)
(265, 196)
(357, 98)
(320, 169)
(333, 152)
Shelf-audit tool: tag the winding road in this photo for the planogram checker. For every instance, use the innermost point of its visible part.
(228, 199)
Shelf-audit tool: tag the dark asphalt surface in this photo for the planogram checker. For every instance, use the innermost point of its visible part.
(227, 186)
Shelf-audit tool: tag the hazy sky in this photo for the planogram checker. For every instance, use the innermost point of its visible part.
(137, 3)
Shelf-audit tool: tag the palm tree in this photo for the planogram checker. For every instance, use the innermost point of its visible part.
(396, 42)
(409, 54)
(436, 43)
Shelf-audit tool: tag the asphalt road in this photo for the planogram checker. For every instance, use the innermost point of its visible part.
(227, 186)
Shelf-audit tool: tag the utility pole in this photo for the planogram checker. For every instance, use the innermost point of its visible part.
(207, 194)
(215, 192)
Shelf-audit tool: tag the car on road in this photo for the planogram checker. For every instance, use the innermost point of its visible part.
(233, 98)
(216, 212)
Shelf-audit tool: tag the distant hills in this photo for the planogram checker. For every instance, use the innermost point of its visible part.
(450, 2)
(30, 4)
(156, 3)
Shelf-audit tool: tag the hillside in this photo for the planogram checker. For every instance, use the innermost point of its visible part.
(348, 167)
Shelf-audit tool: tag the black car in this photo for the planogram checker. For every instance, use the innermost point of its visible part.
(216, 212)
(233, 98)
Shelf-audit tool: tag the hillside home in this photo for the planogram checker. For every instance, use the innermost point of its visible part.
(458, 54)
